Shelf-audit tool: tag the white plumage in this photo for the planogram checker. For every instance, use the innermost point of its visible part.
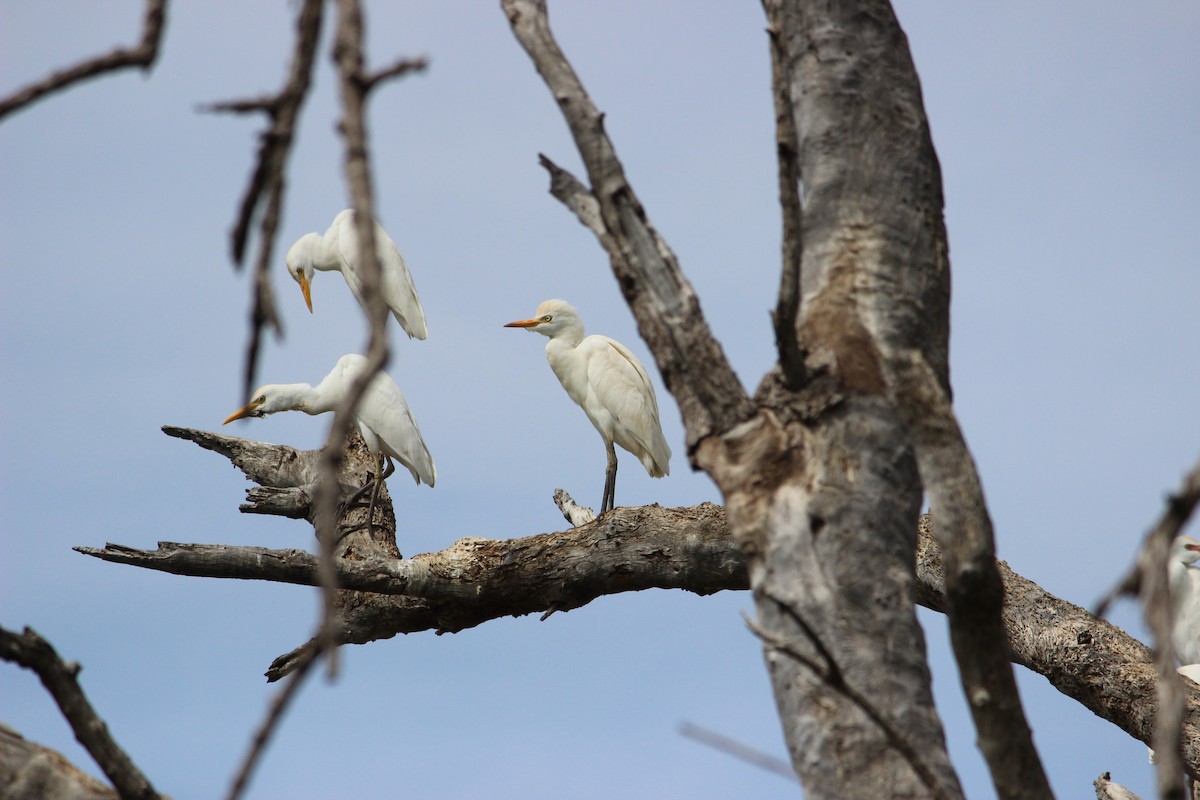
(609, 384)
(338, 250)
(1184, 582)
(382, 416)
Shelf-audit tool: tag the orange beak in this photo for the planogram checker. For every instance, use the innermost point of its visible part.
(306, 289)
(523, 323)
(245, 411)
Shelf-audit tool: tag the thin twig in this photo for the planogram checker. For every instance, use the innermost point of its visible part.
(31, 651)
(270, 723)
(142, 55)
(355, 85)
(738, 750)
(396, 70)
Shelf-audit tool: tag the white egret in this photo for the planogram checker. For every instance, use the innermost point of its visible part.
(609, 384)
(338, 250)
(382, 416)
(1184, 582)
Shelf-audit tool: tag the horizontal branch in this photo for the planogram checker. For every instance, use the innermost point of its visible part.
(629, 550)
(477, 580)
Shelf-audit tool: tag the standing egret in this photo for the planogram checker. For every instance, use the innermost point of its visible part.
(338, 250)
(382, 416)
(609, 384)
(1184, 582)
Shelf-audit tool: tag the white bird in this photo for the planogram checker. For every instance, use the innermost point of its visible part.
(609, 384)
(338, 250)
(1184, 582)
(382, 416)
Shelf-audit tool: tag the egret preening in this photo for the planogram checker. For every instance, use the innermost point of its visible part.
(338, 250)
(609, 384)
(382, 417)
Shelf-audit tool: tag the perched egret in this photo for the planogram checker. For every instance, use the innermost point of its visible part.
(609, 384)
(383, 418)
(338, 249)
(1184, 582)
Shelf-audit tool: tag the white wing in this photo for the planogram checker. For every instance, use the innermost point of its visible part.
(385, 411)
(398, 290)
(620, 386)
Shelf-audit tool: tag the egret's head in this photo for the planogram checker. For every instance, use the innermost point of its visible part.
(551, 318)
(300, 264)
(1185, 550)
(267, 400)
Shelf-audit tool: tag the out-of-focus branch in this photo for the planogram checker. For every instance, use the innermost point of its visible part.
(31, 651)
(29, 770)
(265, 189)
(738, 750)
(355, 84)
(663, 302)
(279, 706)
(142, 55)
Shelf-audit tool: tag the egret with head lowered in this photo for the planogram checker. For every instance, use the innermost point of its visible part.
(609, 384)
(338, 250)
(382, 417)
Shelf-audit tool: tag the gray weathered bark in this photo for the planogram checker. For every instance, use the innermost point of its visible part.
(29, 771)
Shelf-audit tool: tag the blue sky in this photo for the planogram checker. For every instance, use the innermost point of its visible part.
(1067, 134)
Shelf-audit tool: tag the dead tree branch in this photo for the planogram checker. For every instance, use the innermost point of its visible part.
(476, 580)
(275, 712)
(29, 770)
(142, 55)
(31, 651)
(354, 86)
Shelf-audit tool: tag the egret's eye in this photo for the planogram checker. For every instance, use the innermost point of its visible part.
(547, 318)
(262, 398)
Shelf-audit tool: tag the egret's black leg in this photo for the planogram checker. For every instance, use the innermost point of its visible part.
(610, 480)
(381, 475)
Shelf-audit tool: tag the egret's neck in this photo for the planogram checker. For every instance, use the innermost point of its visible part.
(313, 248)
(307, 398)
